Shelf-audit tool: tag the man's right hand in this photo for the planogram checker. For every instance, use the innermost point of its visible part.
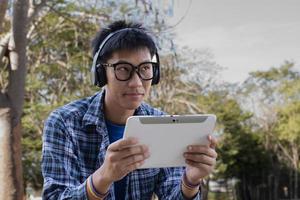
(122, 157)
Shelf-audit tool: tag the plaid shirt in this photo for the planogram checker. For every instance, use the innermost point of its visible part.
(75, 140)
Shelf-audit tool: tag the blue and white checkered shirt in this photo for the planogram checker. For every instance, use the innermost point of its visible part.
(75, 140)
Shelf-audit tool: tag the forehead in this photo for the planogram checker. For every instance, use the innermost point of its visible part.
(141, 54)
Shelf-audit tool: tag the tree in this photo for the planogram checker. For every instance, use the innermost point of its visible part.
(288, 131)
(287, 128)
(274, 97)
(240, 149)
(11, 105)
(13, 46)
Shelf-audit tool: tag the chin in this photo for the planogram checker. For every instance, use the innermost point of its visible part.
(133, 105)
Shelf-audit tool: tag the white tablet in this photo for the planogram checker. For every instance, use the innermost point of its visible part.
(168, 136)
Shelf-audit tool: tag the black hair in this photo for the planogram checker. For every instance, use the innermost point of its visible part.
(135, 38)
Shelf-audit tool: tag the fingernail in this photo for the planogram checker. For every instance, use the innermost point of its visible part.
(190, 148)
(209, 137)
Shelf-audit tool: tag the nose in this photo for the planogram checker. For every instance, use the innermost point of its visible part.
(135, 80)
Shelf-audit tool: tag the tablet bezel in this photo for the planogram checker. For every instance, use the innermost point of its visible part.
(178, 131)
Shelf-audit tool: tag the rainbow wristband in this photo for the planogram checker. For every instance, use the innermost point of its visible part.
(94, 192)
(188, 184)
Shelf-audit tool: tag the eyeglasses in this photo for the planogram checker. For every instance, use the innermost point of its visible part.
(124, 70)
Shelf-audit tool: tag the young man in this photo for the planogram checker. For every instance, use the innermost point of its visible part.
(84, 155)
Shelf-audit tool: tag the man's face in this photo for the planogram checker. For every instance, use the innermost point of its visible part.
(127, 95)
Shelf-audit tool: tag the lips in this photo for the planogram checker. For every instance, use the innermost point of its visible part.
(134, 94)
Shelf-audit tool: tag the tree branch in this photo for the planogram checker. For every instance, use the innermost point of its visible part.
(3, 7)
(284, 150)
(34, 9)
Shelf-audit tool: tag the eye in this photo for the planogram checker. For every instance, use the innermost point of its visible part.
(123, 68)
(146, 67)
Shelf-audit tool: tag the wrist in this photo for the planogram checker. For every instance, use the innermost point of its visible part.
(189, 190)
(190, 181)
(101, 182)
(93, 193)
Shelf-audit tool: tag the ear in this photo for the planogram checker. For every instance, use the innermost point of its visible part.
(101, 76)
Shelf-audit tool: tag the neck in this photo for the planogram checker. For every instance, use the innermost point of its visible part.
(115, 114)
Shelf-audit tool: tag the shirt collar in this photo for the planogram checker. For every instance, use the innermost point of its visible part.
(95, 112)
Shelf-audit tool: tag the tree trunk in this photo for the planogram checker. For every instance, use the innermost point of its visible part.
(291, 184)
(295, 166)
(10, 155)
(205, 189)
(11, 105)
(296, 184)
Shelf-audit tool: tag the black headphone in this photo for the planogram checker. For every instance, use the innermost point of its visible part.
(98, 73)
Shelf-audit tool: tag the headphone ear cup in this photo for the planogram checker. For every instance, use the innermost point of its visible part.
(101, 78)
(156, 75)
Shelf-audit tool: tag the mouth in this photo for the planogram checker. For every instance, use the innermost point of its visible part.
(134, 94)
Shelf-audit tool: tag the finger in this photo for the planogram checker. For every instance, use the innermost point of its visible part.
(204, 167)
(123, 143)
(200, 158)
(121, 165)
(139, 149)
(135, 158)
(200, 149)
(118, 155)
(213, 141)
(134, 166)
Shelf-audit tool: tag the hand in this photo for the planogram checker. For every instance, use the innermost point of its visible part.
(200, 160)
(122, 157)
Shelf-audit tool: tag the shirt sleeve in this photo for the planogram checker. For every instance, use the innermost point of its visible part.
(60, 167)
(168, 186)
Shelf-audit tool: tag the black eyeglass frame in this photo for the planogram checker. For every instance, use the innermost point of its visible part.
(134, 68)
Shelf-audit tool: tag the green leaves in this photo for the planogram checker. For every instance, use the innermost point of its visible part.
(288, 126)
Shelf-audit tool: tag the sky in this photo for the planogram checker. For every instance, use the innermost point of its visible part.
(243, 36)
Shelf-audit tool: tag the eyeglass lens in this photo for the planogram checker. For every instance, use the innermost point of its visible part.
(124, 71)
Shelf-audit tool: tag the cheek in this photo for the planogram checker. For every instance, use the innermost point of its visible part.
(147, 86)
(110, 76)
(112, 82)
(114, 86)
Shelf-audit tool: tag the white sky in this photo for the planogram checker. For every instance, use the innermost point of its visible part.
(243, 35)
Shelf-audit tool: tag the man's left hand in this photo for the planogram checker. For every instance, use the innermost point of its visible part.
(201, 160)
